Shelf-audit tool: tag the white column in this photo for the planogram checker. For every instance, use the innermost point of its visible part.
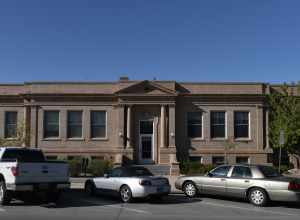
(162, 125)
(128, 135)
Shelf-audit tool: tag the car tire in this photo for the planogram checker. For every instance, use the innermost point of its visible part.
(190, 190)
(89, 188)
(126, 194)
(4, 194)
(258, 197)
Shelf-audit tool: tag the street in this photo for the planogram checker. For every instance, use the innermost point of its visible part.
(75, 205)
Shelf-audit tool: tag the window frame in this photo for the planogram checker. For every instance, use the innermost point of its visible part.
(249, 125)
(67, 127)
(225, 125)
(6, 124)
(187, 126)
(44, 127)
(91, 125)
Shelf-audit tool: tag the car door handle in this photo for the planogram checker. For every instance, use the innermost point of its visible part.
(223, 179)
(247, 181)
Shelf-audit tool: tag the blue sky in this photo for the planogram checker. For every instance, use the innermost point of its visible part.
(186, 40)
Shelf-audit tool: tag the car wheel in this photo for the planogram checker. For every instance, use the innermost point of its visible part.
(258, 197)
(189, 189)
(89, 189)
(4, 194)
(126, 194)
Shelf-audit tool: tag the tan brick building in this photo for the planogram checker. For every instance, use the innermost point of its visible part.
(141, 122)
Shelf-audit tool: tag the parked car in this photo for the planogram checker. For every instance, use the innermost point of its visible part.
(26, 170)
(257, 183)
(128, 183)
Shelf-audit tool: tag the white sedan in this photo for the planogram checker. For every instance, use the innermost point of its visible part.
(129, 183)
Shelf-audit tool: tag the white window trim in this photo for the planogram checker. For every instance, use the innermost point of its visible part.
(90, 124)
(59, 124)
(249, 127)
(202, 126)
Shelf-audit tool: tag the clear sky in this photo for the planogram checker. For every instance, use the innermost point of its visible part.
(184, 40)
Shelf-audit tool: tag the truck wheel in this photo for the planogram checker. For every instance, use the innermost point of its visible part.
(4, 194)
(89, 188)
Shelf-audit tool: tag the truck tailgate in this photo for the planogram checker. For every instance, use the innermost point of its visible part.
(46, 172)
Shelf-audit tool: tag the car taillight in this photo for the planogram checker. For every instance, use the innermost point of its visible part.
(294, 186)
(145, 182)
(15, 171)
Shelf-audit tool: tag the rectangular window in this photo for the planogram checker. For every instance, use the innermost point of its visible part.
(98, 124)
(217, 124)
(51, 124)
(194, 124)
(11, 119)
(74, 129)
(242, 160)
(218, 160)
(241, 124)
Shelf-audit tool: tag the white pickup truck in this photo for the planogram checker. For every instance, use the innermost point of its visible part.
(26, 170)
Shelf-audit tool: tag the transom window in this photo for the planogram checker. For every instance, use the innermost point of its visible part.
(218, 160)
(51, 124)
(242, 160)
(241, 124)
(11, 119)
(218, 124)
(98, 124)
(74, 124)
(194, 124)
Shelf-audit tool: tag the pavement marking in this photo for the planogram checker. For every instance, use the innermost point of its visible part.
(116, 206)
(255, 209)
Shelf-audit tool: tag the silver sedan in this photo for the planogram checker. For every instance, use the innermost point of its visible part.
(128, 183)
(258, 183)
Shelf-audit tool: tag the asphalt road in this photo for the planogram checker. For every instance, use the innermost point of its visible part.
(75, 205)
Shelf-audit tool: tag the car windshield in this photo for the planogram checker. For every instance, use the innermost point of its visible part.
(29, 156)
(269, 171)
(138, 171)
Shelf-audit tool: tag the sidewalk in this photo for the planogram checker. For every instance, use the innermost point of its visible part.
(78, 183)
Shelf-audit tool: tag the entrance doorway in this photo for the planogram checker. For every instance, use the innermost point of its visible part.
(146, 142)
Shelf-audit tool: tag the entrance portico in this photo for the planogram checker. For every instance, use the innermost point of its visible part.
(149, 125)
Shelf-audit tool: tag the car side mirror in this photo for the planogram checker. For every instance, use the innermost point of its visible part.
(106, 175)
(210, 174)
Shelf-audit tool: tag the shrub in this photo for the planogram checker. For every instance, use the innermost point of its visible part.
(194, 167)
(75, 166)
(99, 167)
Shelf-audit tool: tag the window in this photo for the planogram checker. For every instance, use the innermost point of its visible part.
(98, 124)
(241, 172)
(117, 172)
(217, 121)
(26, 156)
(11, 119)
(194, 124)
(74, 124)
(220, 171)
(242, 160)
(219, 160)
(241, 124)
(51, 124)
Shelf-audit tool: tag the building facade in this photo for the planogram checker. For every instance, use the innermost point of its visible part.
(141, 122)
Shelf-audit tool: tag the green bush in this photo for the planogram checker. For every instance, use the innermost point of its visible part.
(75, 166)
(99, 167)
(194, 167)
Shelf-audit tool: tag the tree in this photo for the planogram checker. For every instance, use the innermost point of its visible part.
(18, 141)
(229, 144)
(284, 113)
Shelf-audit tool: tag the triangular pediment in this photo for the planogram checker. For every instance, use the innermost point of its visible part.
(146, 88)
